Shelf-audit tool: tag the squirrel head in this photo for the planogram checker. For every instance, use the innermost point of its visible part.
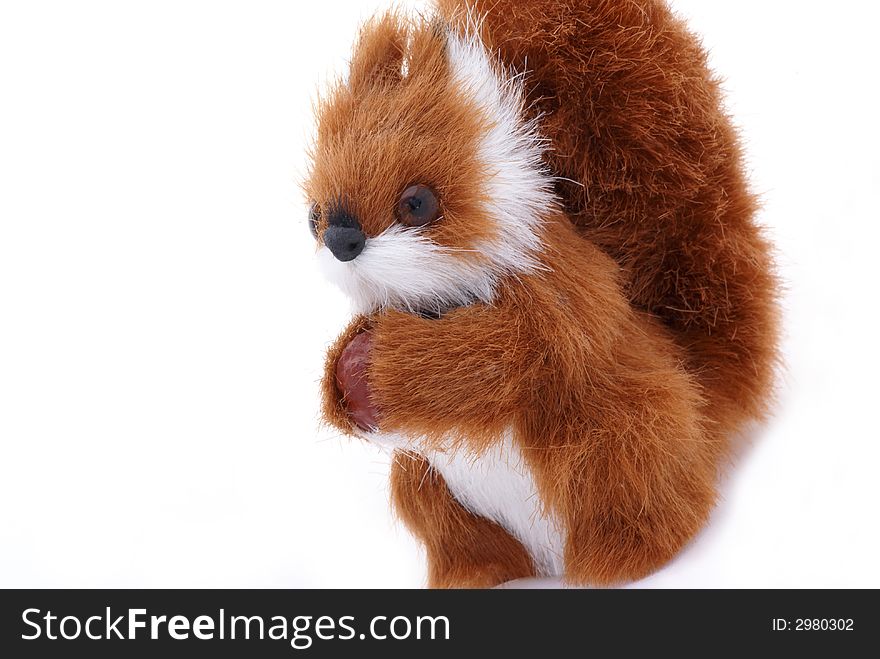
(427, 183)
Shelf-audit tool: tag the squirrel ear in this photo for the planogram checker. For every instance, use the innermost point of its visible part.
(378, 56)
(427, 47)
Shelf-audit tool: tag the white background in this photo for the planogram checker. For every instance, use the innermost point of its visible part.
(162, 322)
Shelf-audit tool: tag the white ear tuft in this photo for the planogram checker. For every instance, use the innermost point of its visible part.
(518, 186)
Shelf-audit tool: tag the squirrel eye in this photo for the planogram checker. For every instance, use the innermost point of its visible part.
(314, 217)
(418, 206)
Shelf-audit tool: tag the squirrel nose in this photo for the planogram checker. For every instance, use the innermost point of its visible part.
(345, 242)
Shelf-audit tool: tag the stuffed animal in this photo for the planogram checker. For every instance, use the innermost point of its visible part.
(565, 310)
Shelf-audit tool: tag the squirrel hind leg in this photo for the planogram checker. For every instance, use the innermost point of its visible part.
(464, 550)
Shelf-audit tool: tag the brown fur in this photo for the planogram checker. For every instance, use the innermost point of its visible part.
(636, 122)
(626, 364)
(609, 420)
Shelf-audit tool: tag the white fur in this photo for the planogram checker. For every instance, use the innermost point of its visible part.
(518, 187)
(498, 485)
(403, 268)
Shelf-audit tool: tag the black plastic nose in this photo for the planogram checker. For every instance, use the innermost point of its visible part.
(345, 242)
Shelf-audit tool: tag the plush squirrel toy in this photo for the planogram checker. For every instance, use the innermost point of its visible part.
(564, 308)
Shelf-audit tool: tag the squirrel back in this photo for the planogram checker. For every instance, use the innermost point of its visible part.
(650, 169)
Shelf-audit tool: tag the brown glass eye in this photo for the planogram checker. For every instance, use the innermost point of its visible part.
(418, 206)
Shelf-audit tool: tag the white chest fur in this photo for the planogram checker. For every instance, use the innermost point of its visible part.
(497, 484)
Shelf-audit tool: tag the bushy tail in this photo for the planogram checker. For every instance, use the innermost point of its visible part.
(655, 175)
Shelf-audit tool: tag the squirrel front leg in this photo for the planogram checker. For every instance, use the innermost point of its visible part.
(401, 373)
(461, 373)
